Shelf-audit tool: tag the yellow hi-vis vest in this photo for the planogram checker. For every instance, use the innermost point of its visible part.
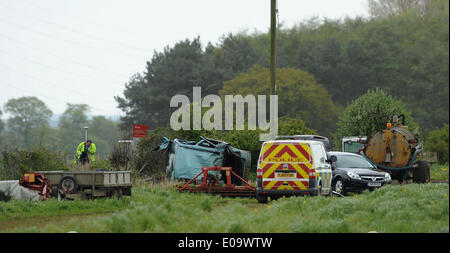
(90, 152)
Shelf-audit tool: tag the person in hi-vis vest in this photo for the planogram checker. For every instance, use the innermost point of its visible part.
(86, 152)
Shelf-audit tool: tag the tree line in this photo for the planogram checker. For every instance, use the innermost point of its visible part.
(402, 48)
(323, 66)
(28, 126)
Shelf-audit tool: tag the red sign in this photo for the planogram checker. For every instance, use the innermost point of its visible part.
(140, 131)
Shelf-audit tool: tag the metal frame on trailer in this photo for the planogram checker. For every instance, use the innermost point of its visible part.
(211, 184)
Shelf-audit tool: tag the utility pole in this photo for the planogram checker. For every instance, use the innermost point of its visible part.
(273, 36)
(86, 133)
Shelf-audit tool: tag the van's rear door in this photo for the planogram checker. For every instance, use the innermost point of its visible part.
(285, 165)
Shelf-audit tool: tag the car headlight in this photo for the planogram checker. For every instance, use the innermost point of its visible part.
(353, 175)
(387, 176)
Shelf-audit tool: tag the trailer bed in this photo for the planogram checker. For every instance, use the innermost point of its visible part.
(89, 184)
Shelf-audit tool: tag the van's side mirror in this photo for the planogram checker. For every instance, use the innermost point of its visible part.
(331, 159)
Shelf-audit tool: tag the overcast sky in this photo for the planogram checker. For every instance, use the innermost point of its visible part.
(84, 51)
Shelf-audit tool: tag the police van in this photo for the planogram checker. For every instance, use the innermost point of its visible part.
(292, 168)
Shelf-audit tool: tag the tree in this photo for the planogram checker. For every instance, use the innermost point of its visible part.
(409, 58)
(71, 127)
(45, 136)
(390, 8)
(174, 71)
(298, 95)
(2, 127)
(11, 140)
(437, 141)
(234, 55)
(74, 117)
(105, 130)
(369, 114)
(2, 124)
(27, 113)
(102, 131)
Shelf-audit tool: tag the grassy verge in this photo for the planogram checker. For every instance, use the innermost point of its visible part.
(439, 172)
(395, 209)
(17, 209)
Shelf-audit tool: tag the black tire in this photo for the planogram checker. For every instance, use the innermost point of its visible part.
(126, 191)
(261, 198)
(339, 182)
(55, 191)
(421, 172)
(117, 193)
(319, 190)
(109, 193)
(68, 184)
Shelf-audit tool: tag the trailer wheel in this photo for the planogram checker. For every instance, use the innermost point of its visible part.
(55, 191)
(117, 193)
(421, 172)
(68, 184)
(126, 191)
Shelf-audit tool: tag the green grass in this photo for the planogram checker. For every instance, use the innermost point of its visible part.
(410, 208)
(439, 172)
(18, 209)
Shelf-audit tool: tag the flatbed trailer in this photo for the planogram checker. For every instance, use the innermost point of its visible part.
(89, 184)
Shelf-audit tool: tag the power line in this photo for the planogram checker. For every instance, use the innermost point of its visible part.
(45, 96)
(24, 90)
(61, 57)
(47, 35)
(47, 82)
(127, 30)
(62, 27)
(60, 69)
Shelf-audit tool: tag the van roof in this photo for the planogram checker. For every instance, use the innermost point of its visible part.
(356, 138)
(291, 141)
(300, 137)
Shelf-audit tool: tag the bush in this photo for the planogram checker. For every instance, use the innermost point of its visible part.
(14, 164)
(369, 114)
(100, 164)
(437, 141)
(151, 163)
(122, 156)
(294, 126)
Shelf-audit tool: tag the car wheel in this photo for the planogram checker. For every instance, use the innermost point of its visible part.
(338, 186)
(261, 198)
